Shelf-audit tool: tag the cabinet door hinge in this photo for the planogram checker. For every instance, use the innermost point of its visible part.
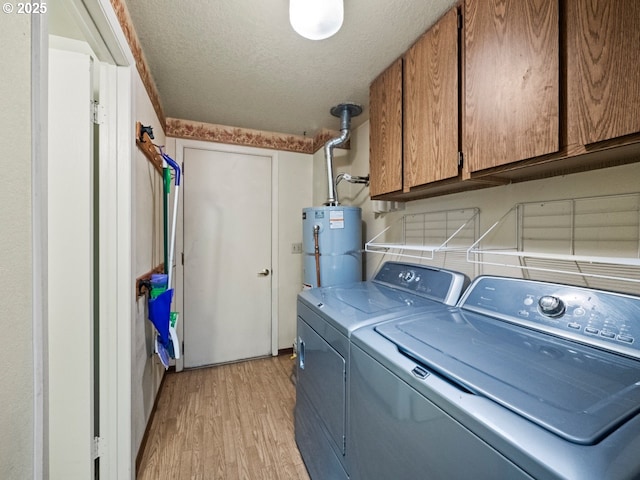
(182, 257)
(460, 160)
(98, 113)
(459, 20)
(99, 446)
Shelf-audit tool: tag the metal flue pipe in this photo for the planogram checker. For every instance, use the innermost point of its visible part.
(344, 111)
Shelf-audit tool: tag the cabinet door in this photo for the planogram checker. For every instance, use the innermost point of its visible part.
(431, 105)
(511, 81)
(385, 131)
(603, 71)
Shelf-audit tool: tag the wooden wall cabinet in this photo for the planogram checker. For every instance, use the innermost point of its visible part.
(385, 132)
(431, 117)
(603, 71)
(414, 115)
(584, 112)
(548, 87)
(512, 81)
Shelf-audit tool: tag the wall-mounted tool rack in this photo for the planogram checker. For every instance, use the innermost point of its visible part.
(593, 241)
(144, 140)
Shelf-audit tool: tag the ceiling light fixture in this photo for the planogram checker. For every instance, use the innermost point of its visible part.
(316, 19)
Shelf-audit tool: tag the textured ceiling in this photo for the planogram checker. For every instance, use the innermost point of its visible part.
(239, 62)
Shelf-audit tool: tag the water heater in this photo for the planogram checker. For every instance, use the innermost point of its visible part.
(332, 245)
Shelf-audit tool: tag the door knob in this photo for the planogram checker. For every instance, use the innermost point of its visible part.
(264, 272)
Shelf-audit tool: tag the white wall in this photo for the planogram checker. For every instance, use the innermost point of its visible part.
(493, 202)
(146, 371)
(16, 260)
(295, 176)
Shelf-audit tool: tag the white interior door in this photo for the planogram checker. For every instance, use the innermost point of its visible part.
(227, 256)
(70, 265)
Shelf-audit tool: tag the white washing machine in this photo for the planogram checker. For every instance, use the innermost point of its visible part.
(524, 379)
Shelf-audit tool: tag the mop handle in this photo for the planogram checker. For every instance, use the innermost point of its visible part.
(176, 167)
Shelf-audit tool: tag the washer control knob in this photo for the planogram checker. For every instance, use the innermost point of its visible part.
(409, 275)
(551, 306)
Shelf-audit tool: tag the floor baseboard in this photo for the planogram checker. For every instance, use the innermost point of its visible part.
(145, 437)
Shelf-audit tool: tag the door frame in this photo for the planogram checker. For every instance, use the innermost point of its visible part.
(181, 145)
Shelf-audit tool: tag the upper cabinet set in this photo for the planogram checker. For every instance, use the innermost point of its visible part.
(508, 90)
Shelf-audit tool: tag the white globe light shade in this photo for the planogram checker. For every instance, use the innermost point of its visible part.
(316, 19)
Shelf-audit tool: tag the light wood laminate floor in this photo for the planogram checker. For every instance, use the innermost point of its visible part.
(226, 422)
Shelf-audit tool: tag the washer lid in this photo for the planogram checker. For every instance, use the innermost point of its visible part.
(577, 392)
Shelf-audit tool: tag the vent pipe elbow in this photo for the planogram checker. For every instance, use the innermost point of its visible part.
(344, 111)
(332, 199)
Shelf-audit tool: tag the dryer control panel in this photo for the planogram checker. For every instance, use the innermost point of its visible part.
(603, 319)
(438, 284)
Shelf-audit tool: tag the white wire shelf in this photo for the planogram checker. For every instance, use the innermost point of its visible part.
(596, 239)
(422, 235)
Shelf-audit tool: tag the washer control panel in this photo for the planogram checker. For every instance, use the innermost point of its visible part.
(600, 318)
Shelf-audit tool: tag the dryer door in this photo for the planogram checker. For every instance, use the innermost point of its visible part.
(321, 376)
